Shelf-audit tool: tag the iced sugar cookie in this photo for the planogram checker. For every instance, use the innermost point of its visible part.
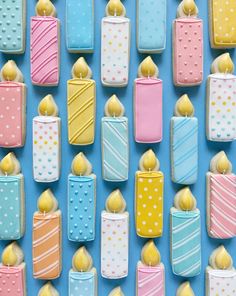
(222, 23)
(48, 290)
(81, 200)
(221, 198)
(151, 26)
(185, 231)
(149, 187)
(115, 142)
(13, 19)
(115, 237)
(80, 15)
(220, 274)
(187, 45)
(221, 101)
(47, 142)
(47, 251)
(116, 292)
(13, 271)
(82, 276)
(185, 290)
(150, 272)
(12, 199)
(12, 106)
(81, 104)
(45, 45)
(115, 45)
(148, 103)
(184, 143)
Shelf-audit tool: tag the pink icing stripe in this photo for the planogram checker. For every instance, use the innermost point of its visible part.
(12, 281)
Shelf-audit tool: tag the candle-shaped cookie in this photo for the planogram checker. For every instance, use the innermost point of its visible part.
(48, 290)
(13, 25)
(184, 143)
(12, 106)
(82, 276)
(46, 239)
(81, 200)
(148, 103)
(115, 142)
(185, 290)
(115, 45)
(220, 274)
(13, 271)
(151, 26)
(115, 237)
(187, 45)
(80, 25)
(45, 45)
(12, 199)
(149, 186)
(221, 101)
(150, 272)
(81, 104)
(221, 198)
(185, 231)
(116, 292)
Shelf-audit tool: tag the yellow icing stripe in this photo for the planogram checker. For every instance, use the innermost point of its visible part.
(81, 130)
(87, 104)
(79, 92)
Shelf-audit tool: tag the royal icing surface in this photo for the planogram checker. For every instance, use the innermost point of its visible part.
(79, 14)
(186, 243)
(149, 204)
(221, 107)
(115, 50)
(81, 104)
(148, 110)
(12, 207)
(12, 34)
(222, 205)
(83, 283)
(115, 149)
(151, 22)
(150, 280)
(81, 208)
(114, 245)
(188, 51)
(12, 280)
(47, 245)
(44, 49)
(12, 114)
(46, 148)
(184, 149)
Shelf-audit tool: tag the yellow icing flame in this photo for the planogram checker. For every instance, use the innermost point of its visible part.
(149, 160)
(47, 290)
(47, 202)
(9, 71)
(12, 255)
(115, 7)
(148, 68)
(81, 68)
(47, 106)
(115, 202)
(116, 292)
(225, 63)
(79, 165)
(45, 8)
(185, 290)
(82, 261)
(222, 258)
(150, 255)
(8, 164)
(189, 7)
(222, 164)
(114, 107)
(184, 106)
(186, 200)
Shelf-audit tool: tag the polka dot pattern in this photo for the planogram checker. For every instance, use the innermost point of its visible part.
(12, 280)
(221, 283)
(81, 283)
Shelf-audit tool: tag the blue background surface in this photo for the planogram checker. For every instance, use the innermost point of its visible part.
(206, 151)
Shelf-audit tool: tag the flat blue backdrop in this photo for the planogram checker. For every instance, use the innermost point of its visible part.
(206, 151)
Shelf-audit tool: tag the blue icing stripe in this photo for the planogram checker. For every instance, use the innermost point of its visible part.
(12, 14)
(10, 207)
(115, 149)
(184, 150)
(81, 208)
(80, 25)
(151, 33)
(82, 283)
(186, 243)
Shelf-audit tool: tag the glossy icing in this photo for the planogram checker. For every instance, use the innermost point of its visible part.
(115, 149)
(151, 26)
(81, 207)
(148, 110)
(185, 242)
(46, 148)
(184, 149)
(221, 107)
(187, 51)
(80, 14)
(44, 49)
(84, 282)
(114, 245)
(81, 105)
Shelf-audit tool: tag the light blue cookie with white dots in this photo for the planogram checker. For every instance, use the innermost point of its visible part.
(12, 223)
(83, 283)
(12, 26)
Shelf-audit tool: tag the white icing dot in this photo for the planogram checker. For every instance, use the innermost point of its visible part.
(144, 222)
(150, 197)
(144, 205)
